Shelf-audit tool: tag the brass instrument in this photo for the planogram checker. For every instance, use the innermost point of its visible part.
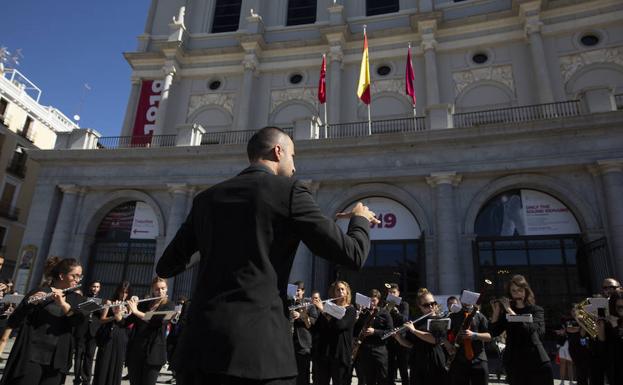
(586, 320)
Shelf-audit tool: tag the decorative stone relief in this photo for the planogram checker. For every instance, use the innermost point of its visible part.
(502, 74)
(307, 94)
(570, 64)
(388, 85)
(220, 99)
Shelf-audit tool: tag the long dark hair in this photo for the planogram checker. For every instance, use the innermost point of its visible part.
(612, 302)
(520, 281)
(121, 288)
(55, 266)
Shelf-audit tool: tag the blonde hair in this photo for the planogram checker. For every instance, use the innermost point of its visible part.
(333, 290)
(421, 293)
(157, 280)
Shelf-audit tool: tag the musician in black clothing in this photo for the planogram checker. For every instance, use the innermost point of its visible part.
(525, 359)
(147, 348)
(469, 360)
(335, 341)
(610, 336)
(302, 320)
(428, 359)
(373, 353)
(84, 335)
(579, 351)
(398, 359)
(42, 350)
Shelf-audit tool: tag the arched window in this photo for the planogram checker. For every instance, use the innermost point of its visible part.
(125, 248)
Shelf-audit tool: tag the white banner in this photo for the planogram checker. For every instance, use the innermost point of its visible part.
(145, 223)
(545, 215)
(397, 222)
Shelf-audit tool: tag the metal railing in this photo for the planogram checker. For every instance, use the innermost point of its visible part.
(389, 126)
(9, 211)
(233, 137)
(518, 114)
(147, 141)
(619, 101)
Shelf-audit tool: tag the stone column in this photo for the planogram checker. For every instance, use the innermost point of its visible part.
(177, 211)
(449, 266)
(65, 220)
(529, 12)
(170, 70)
(130, 111)
(334, 100)
(250, 65)
(612, 179)
(427, 30)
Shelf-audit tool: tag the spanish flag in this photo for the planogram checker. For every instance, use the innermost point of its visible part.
(363, 87)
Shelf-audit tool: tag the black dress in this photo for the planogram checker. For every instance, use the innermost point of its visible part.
(112, 340)
(43, 348)
(335, 347)
(525, 359)
(147, 347)
(614, 353)
(427, 361)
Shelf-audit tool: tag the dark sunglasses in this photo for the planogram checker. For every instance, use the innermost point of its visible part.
(430, 304)
(610, 287)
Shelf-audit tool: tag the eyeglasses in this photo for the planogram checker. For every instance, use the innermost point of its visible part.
(77, 277)
(610, 287)
(430, 304)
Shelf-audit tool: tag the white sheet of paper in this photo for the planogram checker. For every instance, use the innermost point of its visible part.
(13, 298)
(334, 310)
(362, 300)
(393, 299)
(519, 318)
(469, 297)
(599, 302)
(292, 290)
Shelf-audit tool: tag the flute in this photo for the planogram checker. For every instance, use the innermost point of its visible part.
(124, 303)
(404, 326)
(306, 304)
(38, 299)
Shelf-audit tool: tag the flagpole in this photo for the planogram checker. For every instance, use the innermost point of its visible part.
(369, 121)
(326, 121)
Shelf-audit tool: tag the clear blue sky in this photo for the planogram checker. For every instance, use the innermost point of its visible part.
(67, 43)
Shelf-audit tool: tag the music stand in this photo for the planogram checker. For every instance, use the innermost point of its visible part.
(159, 315)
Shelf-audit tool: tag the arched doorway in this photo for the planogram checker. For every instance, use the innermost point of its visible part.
(528, 232)
(396, 252)
(125, 248)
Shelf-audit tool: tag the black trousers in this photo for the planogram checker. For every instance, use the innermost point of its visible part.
(582, 372)
(398, 360)
(465, 374)
(302, 365)
(83, 360)
(523, 374)
(198, 378)
(374, 364)
(37, 374)
(142, 374)
(332, 370)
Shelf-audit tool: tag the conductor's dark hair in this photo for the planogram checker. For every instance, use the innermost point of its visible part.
(263, 141)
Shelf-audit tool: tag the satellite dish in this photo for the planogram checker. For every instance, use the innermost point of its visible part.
(77, 118)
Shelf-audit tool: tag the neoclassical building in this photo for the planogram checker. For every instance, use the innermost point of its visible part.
(511, 161)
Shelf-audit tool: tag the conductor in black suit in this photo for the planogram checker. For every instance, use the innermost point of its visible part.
(247, 230)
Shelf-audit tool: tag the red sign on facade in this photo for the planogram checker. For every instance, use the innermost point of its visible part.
(146, 112)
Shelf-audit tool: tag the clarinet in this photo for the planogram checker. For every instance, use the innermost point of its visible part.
(357, 343)
(44, 298)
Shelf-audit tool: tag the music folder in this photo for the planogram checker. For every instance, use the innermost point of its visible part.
(438, 325)
(159, 315)
(13, 298)
(519, 318)
(90, 305)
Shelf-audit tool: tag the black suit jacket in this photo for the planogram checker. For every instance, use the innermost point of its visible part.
(247, 230)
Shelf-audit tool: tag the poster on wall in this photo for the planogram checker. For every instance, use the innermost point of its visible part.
(525, 212)
(145, 223)
(23, 271)
(146, 112)
(397, 222)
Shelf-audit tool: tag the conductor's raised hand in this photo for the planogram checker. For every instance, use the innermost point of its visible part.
(362, 211)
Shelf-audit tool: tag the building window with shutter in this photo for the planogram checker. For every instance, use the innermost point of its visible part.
(301, 12)
(226, 16)
(380, 7)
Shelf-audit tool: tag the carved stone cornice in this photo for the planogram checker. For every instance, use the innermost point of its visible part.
(169, 68)
(71, 188)
(501, 74)
(388, 85)
(306, 94)
(449, 177)
(224, 100)
(336, 53)
(178, 188)
(609, 165)
(570, 64)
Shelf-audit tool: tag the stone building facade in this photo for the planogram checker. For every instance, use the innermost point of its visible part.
(512, 164)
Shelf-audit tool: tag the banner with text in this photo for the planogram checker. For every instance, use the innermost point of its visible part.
(146, 112)
(397, 222)
(145, 223)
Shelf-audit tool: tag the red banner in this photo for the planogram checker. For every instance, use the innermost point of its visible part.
(146, 112)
